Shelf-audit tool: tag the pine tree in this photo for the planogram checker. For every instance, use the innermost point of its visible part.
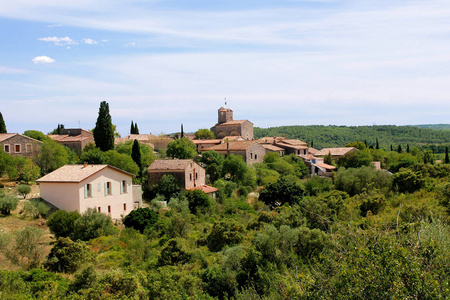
(407, 148)
(392, 148)
(182, 133)
(132, 127)
(136, 129)
(103, 131)
(365, 143)
(312, 143)
(136, 154)
(446, 156)
(399, 149)
(2, 124)
(377, 146)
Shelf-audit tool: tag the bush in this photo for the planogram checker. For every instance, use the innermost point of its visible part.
(62, 223)
(281, 192)
(219, 283)
(198, 201)
(141, 219)
(68, 256)
(224, 233)
(407, 182)
(174, 253)
(35, 209)
(91, 225)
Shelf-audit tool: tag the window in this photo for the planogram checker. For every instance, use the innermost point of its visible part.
(87, 190)
(108, 188)
(124, 207)
(123, 187)
(109, 209)
(28, 148)
(99, 209)
(17, 148)
(190, 176)
(256, 156)
(196, 175)
(99, 186)
(7, 148)
(251, 155)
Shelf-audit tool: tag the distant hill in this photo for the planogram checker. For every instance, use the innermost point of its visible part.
(433, 126)
(338, 136)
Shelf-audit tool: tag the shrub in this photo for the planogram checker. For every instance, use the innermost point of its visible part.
(224, 233)
(91, 225)
(198, 201)
(62, 223)
(407, 182)
(281, 192)
(174, 253)
(7, 204)
(68, 256)
(141, 218)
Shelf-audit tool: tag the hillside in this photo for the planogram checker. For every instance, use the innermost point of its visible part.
(434, 126)
(338, 136)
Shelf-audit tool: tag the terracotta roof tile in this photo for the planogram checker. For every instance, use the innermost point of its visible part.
(216, 141)
(326, 166)
(206, 188)
(233, 146)
(170, 164)
(272, 147)
(5, 136)
(232, 122)
(75, 173)
(336, 151)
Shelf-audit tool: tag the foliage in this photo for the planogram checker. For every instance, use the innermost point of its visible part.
(181, 148)
(356, 159)
(281, 192)
(62, 223)
(7, 203)
(35, 209)
(52, 156)
(317, 184)
(103, 131)
(141, 219)
(92, 155)
(168, 186)
(224, 233)
(174, 253)
(147, 155)
(24, 248)
(91, 225)
(67, 256)
(353, 181)
(136, 154)
(407, 182)
(23, 189)
(35, 134)
(204, 134)
(121, 161)
(234, 168)
(198, 201)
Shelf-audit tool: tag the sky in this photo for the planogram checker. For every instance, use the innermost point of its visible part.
(167, 63)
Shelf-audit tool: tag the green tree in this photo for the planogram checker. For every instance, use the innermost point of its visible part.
(168, 186)
(428, 157)
(121, 161)
(92, 155)
(407, 182)
(357, 145)
(224, 233)
(235, 168)
(204, 134)
(328, 159)
(181, 148)
(52, 156)
(23, 189)
(7, 203)
(446, 160)
(399, 149)
(141, 218)
(2, 124)
(281, 192)
(356, 159)
(57, 130)
(35, 134)
(407, 148)
(62, 223)
(67, 256)
(377, 146)
(103, 131)
(136, 129)
(182, 131)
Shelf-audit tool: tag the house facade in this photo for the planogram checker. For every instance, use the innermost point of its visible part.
(79, 187)
(226, 126)
(19, 145)
(188, 173)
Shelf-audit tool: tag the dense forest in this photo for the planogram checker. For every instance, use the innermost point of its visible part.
(338, 136)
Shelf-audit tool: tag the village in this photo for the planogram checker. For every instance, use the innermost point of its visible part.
(83, 186)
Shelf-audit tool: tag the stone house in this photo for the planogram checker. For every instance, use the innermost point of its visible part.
(289, 146)
(79, 187)
(251, 151)
(74, 138)
(336, 153)
(19, 145)
(188, 173)
(226, 126)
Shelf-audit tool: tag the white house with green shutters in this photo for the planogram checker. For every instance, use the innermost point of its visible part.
(79, 187)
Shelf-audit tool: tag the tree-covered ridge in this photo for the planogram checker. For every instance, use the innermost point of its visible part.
(337, 136)
(434, 126)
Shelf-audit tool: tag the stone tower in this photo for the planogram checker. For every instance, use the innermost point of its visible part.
(225, 115)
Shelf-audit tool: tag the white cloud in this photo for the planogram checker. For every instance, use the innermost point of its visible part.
(54, 25)
(12, 71)
(43, 60)
(90, 41)
(59, 41)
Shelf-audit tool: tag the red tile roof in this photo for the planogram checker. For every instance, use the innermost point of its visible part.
(326, 166)
(76, 173)
(232, 122)
(216, 141)
(336, 151)
(206, 188)
(5, 136)
(272, 147)
(233, 146)
(170, 164)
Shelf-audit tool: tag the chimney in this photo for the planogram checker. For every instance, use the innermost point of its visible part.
(85, 164)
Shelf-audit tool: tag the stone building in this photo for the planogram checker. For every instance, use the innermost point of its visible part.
(74, 138)
(19, 145)
(226, 126)
(188, 173)
(251, 151)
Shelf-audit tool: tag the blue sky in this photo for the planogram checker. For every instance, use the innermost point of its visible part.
(163, 63)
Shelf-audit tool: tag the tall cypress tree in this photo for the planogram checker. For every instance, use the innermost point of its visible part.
(392, 148)
(182, 133)
(132, 127)
(377, 146)
(399, 149)
(2, 124)
(136, 129)
(103, 131)
(446, 156)
(407, 148)
(136, 154)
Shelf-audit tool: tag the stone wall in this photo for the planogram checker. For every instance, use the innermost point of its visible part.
(26, 146)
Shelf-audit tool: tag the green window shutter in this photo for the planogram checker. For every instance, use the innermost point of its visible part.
(106, 188)
(110, 187)
(85, 191)
(128, 182)
(121, 186)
